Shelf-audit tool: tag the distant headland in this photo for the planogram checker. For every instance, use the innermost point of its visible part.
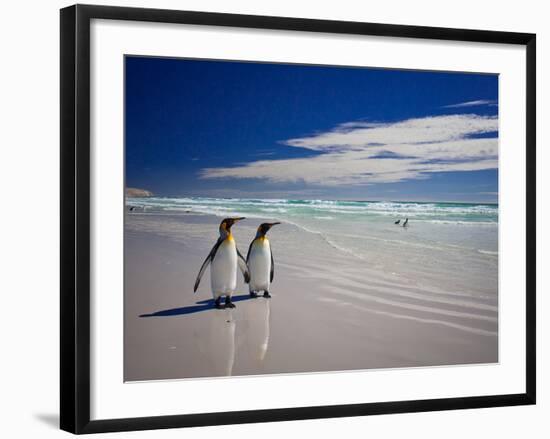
(138, 193)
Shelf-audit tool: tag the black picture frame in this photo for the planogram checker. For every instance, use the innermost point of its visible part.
(75, 217)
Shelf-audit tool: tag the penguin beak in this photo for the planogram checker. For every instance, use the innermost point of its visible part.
(270, 225)
(234, 220)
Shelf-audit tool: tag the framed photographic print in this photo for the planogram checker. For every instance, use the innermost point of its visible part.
(268, 218)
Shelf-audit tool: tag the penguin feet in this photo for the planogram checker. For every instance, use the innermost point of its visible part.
(253, 294)
(229, 303)
(267, 295)
(217, 303)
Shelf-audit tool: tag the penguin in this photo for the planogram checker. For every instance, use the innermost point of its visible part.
(260, 262)
(225, 257)
(397, 222)
(406, 222)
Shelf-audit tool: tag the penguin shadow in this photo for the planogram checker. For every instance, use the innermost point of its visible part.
(200, 306)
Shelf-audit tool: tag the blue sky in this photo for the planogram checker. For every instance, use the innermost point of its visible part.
(237, 129)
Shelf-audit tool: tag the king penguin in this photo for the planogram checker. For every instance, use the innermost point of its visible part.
(225, 258)
(260, 262)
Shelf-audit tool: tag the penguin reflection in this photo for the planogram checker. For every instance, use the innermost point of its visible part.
(216, 344)
(224, 259)
(254, 329)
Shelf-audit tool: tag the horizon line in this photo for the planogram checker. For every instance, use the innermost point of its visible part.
(322, 199)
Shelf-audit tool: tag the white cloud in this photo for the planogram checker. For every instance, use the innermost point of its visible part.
(473, 104)
(359, 135)
(359, 153)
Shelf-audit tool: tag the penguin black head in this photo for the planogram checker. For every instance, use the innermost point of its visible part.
(263, 228)
(225, 225)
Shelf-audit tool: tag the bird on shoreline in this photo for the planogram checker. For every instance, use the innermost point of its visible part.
(397, 222)
(225, 259)
(260, 262)
(406, 222)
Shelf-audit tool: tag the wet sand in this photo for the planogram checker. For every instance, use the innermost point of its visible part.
(329, 311)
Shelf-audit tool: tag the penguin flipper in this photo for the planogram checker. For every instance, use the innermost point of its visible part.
(272, 272)
(207, 261)
(243, 266)
(249, 249)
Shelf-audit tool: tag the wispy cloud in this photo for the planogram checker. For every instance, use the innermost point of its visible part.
(361, 153)
(477, 103)
(264, 153)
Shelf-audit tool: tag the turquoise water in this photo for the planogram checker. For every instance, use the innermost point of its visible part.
(345, 223)
(450, 213)
(445, 244)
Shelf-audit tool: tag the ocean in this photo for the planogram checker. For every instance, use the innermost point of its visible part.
(450, 244)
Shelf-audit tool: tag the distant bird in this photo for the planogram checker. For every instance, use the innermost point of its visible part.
(132, 209)
(225, 258)
(397, 222)
(260, 262)
(406, 222)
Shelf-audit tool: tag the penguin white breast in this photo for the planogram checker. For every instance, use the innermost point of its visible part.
(223, 272)
(259, 264)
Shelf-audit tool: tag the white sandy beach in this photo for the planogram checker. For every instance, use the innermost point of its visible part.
(331, 310)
